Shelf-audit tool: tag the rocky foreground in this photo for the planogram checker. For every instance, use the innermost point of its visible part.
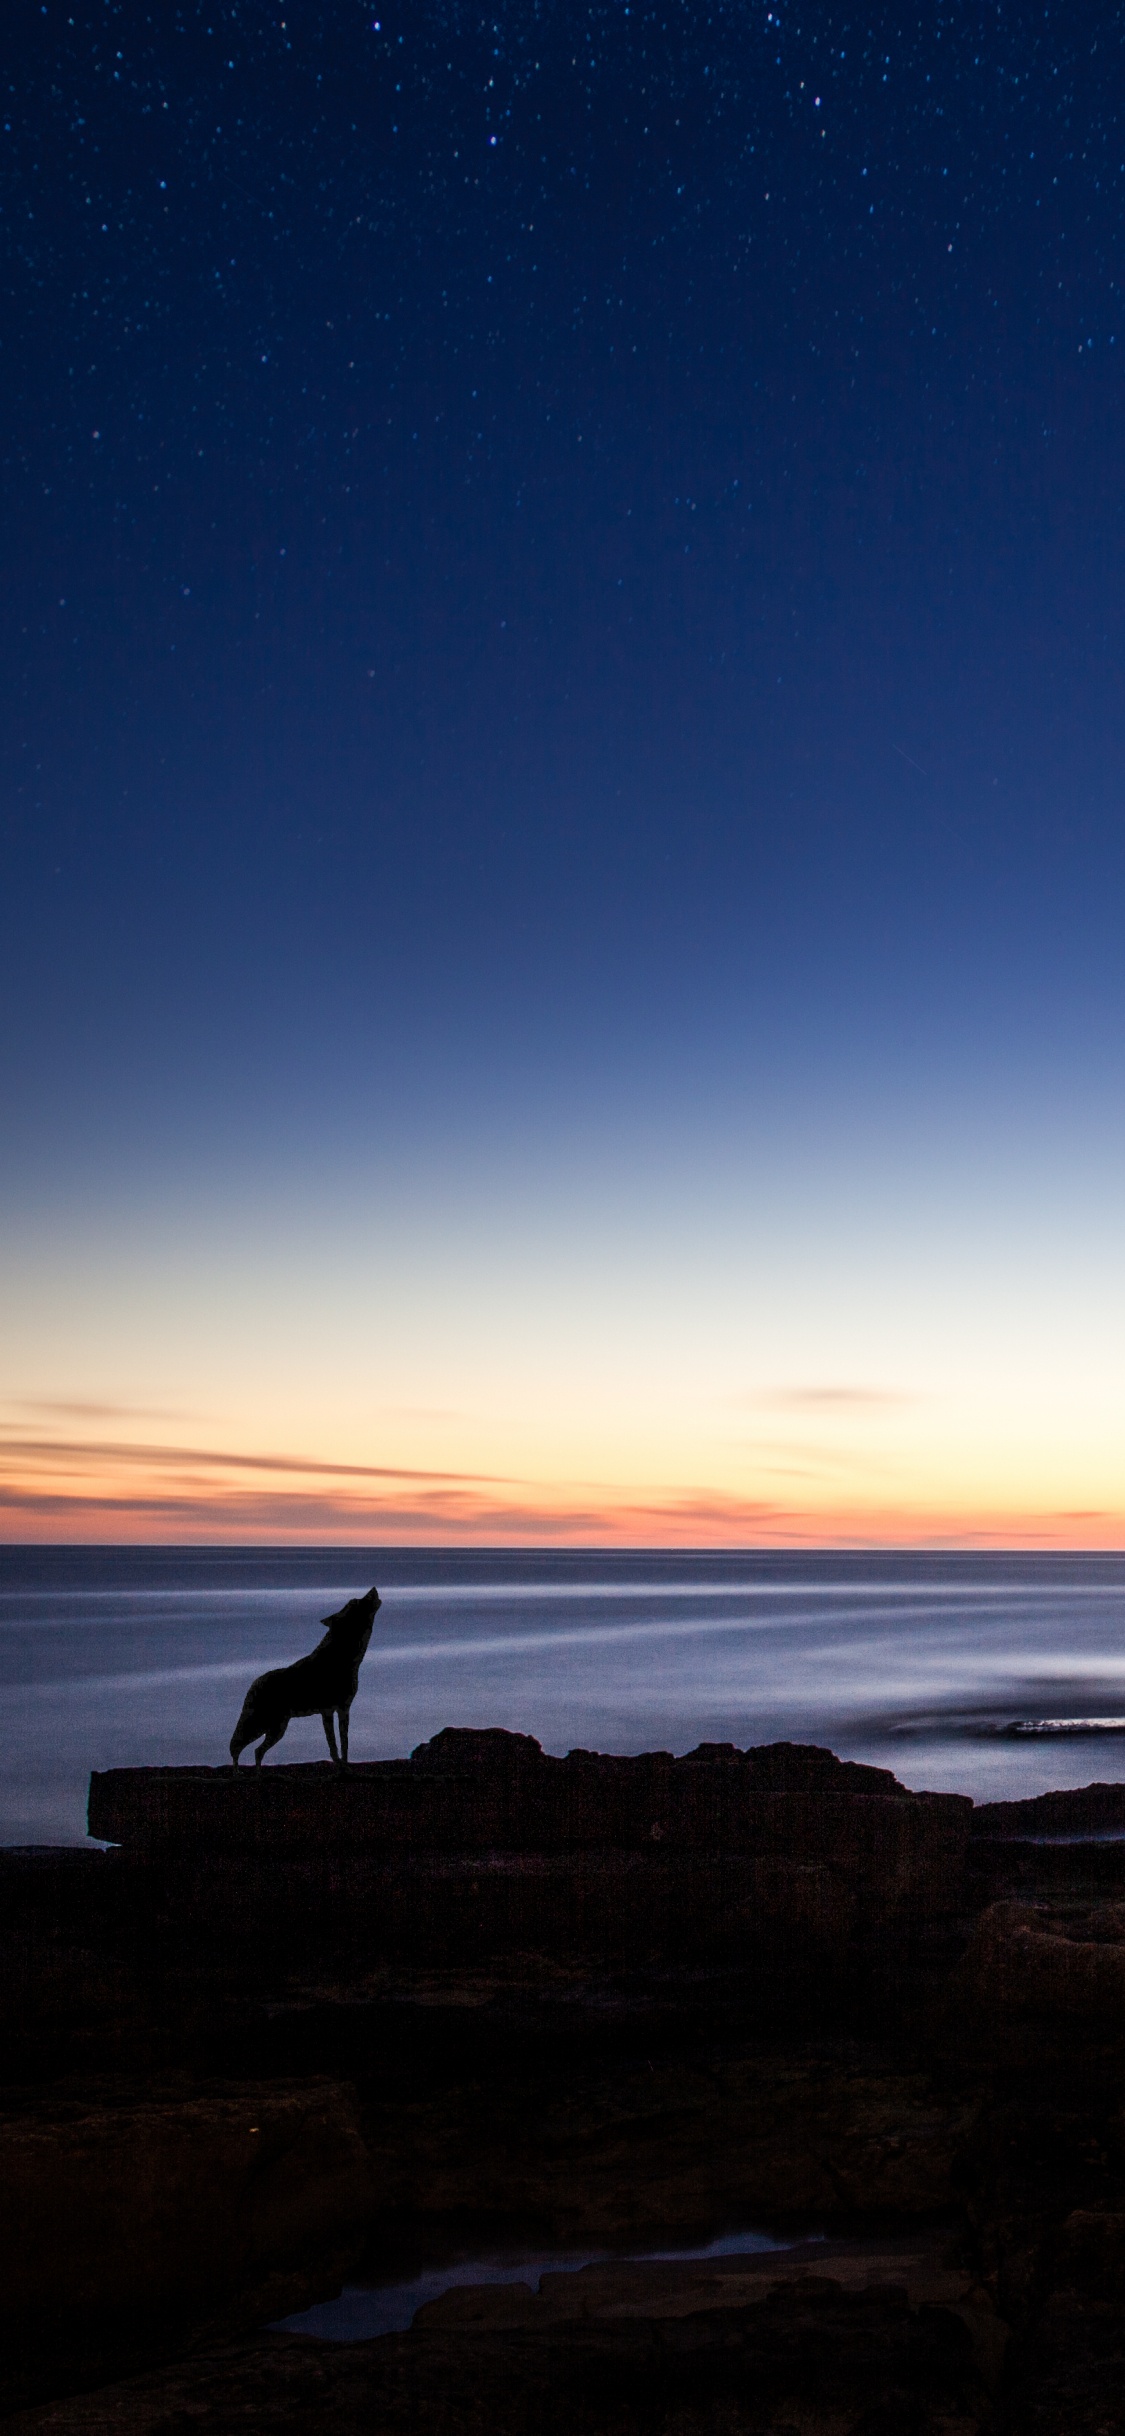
(299, 2027)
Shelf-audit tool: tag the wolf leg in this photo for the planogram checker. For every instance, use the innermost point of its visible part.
(244, 1732)
(344, 1715)
(273, 1736)
(330, 1730)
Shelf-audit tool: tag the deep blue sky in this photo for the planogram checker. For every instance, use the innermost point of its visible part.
(555, 560)
(509, 495)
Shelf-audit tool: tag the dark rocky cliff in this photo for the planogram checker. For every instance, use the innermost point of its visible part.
(299, 2024)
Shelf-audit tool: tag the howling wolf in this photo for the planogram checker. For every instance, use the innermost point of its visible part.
(323, 1683)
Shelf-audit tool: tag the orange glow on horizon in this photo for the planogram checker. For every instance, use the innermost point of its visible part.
(62, 1490)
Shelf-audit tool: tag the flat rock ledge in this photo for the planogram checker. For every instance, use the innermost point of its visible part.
(481, 1841)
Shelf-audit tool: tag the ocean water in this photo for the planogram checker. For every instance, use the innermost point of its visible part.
(114, 1657)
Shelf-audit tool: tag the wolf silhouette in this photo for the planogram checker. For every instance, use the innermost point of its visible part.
(324, 1684)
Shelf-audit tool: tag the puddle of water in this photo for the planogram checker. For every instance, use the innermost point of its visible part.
(358, 2313)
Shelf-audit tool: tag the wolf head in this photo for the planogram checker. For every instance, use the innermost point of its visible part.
(351, 1625)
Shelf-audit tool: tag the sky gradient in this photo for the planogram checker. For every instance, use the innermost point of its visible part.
(562, 775)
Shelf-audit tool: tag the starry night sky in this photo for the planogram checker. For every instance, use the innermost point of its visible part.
(562, 647)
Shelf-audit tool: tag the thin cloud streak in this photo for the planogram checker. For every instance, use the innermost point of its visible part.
(85, 1450)
(81, 1410)
(832, 1398)
(804, 1459)
(443, 1515)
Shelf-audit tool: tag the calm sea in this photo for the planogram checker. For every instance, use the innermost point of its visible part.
(114, 1657)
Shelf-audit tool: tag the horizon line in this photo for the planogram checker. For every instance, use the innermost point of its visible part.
(951, 1545)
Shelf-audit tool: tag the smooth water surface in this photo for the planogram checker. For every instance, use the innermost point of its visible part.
(361, 2311)
(133, 1657)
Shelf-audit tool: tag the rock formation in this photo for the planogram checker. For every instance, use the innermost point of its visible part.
(300, 2025)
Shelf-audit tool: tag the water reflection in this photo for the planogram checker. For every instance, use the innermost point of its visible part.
(360, 2312)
